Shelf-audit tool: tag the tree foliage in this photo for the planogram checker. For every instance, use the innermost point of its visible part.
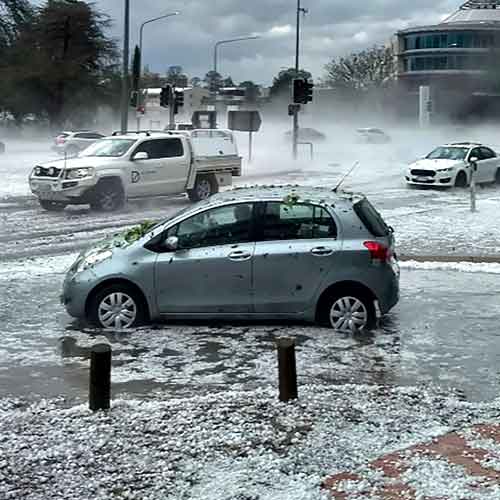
(282, 83)
(177, 77)
(13, 15)
(71, 62)
(370, 68)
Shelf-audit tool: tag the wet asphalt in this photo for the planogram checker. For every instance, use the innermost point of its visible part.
(445, 330)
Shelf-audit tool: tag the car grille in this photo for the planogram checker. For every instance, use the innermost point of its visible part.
(423, 173)
(47, 171)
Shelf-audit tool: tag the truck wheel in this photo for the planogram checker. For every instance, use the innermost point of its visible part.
(109, 196)
(204, 186)
(52, 206)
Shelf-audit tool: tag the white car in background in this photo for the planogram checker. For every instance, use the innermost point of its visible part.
(451, 165)
(72, 142)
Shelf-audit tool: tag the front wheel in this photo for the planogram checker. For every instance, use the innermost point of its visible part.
(349, 312)
(117, 306)
(204, 186)
(461, 180)
(497, 177)
(52, 206)
(108, 196)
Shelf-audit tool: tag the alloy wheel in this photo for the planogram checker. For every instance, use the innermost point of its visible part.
(203, 189)
(117, 310)
(348, 314)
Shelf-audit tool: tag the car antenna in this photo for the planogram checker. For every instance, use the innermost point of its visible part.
(336, 188)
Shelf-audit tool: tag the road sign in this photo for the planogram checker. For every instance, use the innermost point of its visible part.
(204, 119)
(244, 121)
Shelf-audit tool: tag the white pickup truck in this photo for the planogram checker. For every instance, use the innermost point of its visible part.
(139, 165)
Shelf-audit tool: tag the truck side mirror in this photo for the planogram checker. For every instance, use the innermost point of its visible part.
(141, 155)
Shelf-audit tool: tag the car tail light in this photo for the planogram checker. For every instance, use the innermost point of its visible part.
(60, 140)
(378, 251)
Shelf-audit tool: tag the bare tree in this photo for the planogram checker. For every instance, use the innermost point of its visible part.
(368, 69)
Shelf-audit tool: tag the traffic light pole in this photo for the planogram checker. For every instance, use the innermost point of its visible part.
(125, 76)
(171, 109)
(295, 133)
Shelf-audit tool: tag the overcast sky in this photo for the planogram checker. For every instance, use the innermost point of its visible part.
(331, 28)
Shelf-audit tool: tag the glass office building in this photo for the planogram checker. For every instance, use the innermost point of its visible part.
(456, 53)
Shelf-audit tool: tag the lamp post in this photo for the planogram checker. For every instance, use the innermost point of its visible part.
(221, 42)
(125, 77)
(141, 32)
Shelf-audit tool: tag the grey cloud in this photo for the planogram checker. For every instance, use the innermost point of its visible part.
(332, 28)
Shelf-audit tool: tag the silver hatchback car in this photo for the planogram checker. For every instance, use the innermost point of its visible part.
(254, 253)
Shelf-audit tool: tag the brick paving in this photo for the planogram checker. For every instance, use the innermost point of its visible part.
(388, 470)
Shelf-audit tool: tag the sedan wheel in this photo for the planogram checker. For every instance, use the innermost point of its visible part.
(349, 314)
(117, 310)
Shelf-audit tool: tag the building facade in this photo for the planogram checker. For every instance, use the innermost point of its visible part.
(457, 58)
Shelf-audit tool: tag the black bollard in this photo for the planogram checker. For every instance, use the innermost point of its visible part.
(100, 377)
(287, 368)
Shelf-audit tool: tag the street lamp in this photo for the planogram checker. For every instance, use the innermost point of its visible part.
(141, 31)
(221, 42)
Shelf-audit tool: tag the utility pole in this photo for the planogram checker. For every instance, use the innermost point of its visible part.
(125, 76)
(295, 132)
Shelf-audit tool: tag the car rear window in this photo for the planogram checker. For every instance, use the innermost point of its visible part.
(371, 219)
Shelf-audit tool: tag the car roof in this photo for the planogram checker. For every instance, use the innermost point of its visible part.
(146, 135)
(292, 193)
(462, 144)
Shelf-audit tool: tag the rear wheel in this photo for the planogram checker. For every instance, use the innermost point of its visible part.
(52, 206)
(204, 186)
(108, 196)
(348, 311)
(461, 180)
(117, 306)
(497, 177)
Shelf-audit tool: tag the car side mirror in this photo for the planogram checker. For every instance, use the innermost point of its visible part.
(473, 159)
(172, 243)
(141, 155)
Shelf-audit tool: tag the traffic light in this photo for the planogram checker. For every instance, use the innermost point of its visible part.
(309, 91)
(428, 106)
(133, 98)
(178, 100)
(165, 95)
(302, 91)
(299, 90)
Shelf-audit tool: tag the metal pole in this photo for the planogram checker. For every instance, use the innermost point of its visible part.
(125, 76)
(250, 147)
(473, 187)
(296, 111)
(100, 377)
(287, 369)
(216, 46)
(139, 93)
(171, 108)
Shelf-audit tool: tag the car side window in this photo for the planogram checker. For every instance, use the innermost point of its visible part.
(487, 153)
(477, 153)
(161, 148)
(296, 222)
(219, 226)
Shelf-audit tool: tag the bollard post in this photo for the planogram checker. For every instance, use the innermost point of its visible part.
(287, 368)
(100, 377)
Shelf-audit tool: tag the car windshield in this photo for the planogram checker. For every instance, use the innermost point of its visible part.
(447, 153)
(109, 148)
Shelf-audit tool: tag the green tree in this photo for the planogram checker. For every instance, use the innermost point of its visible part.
(136, 68)
(213, 80)
(368, 69)
(70, 58)
(252, 91)
(176, 77)
(13, 15)
(282, 83)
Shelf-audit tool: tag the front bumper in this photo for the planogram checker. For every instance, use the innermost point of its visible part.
(65, 190)
(439, 179)
(76, 289)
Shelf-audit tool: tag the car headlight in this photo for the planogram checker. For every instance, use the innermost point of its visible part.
(79, 173)
(449, 169)
(93, 259)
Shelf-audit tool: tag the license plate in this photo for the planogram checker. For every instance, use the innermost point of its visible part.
(44, 188)
(47, 195)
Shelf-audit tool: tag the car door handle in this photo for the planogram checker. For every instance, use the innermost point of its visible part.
(240, 255)
(322, 251)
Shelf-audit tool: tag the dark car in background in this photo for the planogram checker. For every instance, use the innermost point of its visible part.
(372, 135)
